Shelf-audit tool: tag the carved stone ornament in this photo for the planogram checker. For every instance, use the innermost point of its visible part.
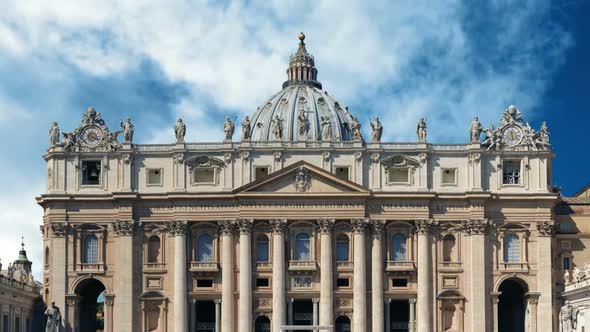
(302, 181)
(326, 156)
(302, 282)
(91, 135)
(109, 299)
(473, 158)
(264, 302)
(474, 226)
(344, 302)
(277, 155)
(226, 227)
(59, 229)
(359, 225)
(127, 158)
(422, 158)
(325, 225)
(278, 225)
(245, 225)
(358, 156)
(375, 157)
(124, 227)
(203, 161)
(245, 156)
(400, 161)
(227, 157)
(546, 228)
(377, 227)
(176, 227)
(179, 158)
(425, 226)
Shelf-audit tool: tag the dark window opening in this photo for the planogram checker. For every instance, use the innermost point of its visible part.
(399, 282)
(91, 172)
(262, 282)
(342, 282)
(205, 283)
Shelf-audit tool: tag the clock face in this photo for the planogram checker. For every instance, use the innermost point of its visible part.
(92, 136)
(512, 135)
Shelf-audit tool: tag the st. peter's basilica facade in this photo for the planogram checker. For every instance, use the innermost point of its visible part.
(301, 220)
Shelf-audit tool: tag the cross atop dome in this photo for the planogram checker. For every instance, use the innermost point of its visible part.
(302, 67)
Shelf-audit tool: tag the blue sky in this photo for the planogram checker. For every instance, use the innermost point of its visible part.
(203, 60)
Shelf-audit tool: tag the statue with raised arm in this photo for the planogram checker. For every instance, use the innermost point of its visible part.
(246, 128)
(377, 128)
(326, 129)
(421, 130)
(54, 134)
(128, 130)
(302, 123)
(228, 129)
(277, 128)
(180, 131)
(355, 128)
(542, 138)
(53, 318)
(475, 130)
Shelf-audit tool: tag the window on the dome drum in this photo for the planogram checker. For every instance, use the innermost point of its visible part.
(343, 172)
(90, 172)
(260, 172)
(511, 172)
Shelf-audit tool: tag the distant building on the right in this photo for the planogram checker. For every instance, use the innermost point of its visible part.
(572, 261)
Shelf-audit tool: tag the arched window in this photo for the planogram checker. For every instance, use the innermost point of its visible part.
(262, 324)
(90, 249)
(511, 249)
(46, 255)
(205, 248)
(262, 248)
(449, 248)
(153, 249)
(342, 248)
(302, 247)
(342, 324)
(398, 247)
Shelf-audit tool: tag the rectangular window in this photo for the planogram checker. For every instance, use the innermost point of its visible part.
(91, 172)
(17, 324)
(567, 263)
(399, 282)
(204, 175)
(399, 175)
(204, 283)
(566, 228)
(511, 172)
(154, 177)
(343, 172)
(262, 282)
(5, 323)
(449, 176)
(260, 172)
(343, 282)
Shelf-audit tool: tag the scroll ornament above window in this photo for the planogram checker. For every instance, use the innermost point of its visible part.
(204, 161)
(514, 134)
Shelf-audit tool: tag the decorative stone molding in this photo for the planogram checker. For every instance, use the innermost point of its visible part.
(359, 225)
(302, 181)
(375, 158)
(377, 227)
(315, 300)
(474, 226)
(326, 155)
(326, 225)
(425, 226)
(226, 227)
(176, 227)
(546, 228)
(423, 158)
(127, 158)
(358, 156)
(204, 161)
(245, 155)
(124, 227)
(217, 301)
(59, 229)
(264, 302)
(278, 225)
(109, 299)
(227, 157)
(474, 158)
(277, 155)
(72, 299)
(245, 225)
(179, 158)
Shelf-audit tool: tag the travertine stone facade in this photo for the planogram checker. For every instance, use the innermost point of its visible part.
(295, 226)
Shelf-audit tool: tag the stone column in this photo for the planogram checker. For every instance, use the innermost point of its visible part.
(377, 276)
(388, 315)
(326, 273)
(412, 326)
(290, 311)
(58, 260)
(245, 300)
(476, 229)
(315, 311)
(193, 315)
(217, 315)
(109, 300)
(424, 319)
(227, 275)
(533, 300)
(278, 273)
(123, 230)
(177, 230)
(359, 286)
(544, 276)
(72, 300)
(495, 297)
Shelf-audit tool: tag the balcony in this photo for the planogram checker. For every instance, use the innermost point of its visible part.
(204, 266)
(450, 266)
(263, 266)
(400, 266)
(154, 267)
(90, 268)
(302, 266)
(344, 266)
(514, 267)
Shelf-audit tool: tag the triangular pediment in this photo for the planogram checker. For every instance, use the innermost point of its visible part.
(302, 178)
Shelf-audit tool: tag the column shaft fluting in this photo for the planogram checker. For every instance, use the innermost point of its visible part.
(377, 277)
(359, 289)
(424, 319)
(227, 277)
(245, 300)
(326, 273)
(278, 274)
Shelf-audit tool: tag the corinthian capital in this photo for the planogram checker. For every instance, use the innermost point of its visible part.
(59, 229)
(176, 227)
(325, 225)
(425, 226)
(226, 227)
(124, 227)
(359, 225)
(377, 227)
(546, 228)
(278, 225)
(245, 225)
(476, 226)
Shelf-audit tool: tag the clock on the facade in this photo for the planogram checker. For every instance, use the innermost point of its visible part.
(512, 135)
(92, 136)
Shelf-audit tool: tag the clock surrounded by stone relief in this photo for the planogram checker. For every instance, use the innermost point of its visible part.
(92, 136)
(512, 135)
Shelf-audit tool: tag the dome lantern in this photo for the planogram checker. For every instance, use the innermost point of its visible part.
(302, 67)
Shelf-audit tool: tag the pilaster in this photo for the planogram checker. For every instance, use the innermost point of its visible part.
(359, 315)
(245, 300)
(279, 227)
(226, 228)
(424, 301)
(476, 231)
(545, 282)
(177, 229)
(377, 276)
(58, 275)
(326, 273)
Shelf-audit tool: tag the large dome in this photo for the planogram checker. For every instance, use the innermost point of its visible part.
(302, 111)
